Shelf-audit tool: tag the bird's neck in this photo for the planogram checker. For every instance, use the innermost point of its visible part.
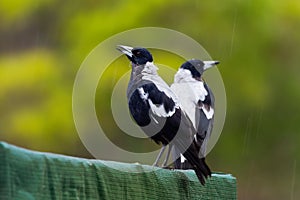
(139, 75)
(185, 76)
(138, 71)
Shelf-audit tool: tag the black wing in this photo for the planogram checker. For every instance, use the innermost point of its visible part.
(155, 112)
(139, 109)
(204, 123)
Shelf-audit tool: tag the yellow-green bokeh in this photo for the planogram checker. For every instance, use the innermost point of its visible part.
(43, 43)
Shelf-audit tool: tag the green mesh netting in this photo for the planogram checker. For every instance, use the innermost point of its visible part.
(26, 174)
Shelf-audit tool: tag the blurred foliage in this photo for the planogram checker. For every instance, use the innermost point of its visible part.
(42, 44)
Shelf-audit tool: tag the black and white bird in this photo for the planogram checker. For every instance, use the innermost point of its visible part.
(156, 109)
(197, 100)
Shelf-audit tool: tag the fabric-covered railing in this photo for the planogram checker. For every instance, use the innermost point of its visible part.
(26, 174)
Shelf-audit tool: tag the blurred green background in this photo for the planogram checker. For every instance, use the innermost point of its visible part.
(43, 43)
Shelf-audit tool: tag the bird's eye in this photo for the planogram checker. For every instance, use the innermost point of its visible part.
(138, 53)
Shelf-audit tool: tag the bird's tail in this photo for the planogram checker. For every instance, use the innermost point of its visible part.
(185, 143)
(198, 164)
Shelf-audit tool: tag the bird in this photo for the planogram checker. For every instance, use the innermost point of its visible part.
(198, 102)
(156, 109)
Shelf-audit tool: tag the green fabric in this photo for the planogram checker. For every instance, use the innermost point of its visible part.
(26, 174)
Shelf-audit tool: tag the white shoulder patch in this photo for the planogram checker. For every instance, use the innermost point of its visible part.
(209, 113)
(143, 94)
(159, 110)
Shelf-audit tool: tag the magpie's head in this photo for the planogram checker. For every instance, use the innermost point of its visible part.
(137, 55)
(197, 67)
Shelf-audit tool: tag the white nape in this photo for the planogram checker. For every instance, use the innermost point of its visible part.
(150, 73)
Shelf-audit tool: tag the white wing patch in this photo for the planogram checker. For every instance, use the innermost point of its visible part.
(195, 137)
(209, 113)
(143, 94)
(182, 158)
(158, 110)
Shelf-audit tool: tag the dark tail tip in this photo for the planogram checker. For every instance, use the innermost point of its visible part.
(207, 171)
(200, 176)
(202, 171)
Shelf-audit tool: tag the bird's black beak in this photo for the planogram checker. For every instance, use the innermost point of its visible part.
(209, 64)
(125, 50)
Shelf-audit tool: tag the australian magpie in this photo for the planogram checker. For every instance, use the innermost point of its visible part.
(156, 109)
(197, 100)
